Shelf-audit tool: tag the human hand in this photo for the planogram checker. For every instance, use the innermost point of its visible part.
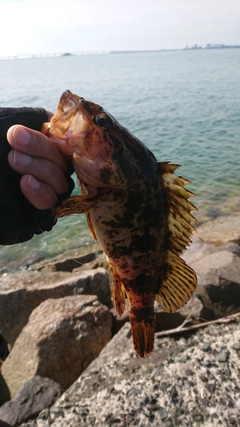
(29, 190)
(42, 165)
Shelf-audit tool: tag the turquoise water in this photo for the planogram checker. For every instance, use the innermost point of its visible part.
(184, 105)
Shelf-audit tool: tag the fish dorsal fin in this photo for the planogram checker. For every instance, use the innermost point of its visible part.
(179, 280)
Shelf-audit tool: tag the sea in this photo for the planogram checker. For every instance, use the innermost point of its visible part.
(183, 104)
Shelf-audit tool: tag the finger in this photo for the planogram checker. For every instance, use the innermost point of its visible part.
(36, 144)
(49, 114)
(38, 193)
(41, 169)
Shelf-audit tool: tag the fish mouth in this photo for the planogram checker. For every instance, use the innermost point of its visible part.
(63, 125)
(70, 129)
(69, 101)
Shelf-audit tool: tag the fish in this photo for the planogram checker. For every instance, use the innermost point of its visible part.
(136, 208)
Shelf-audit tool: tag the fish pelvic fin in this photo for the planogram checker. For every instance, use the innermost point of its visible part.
(143, 330)
(178, 284)
(90, 226)
(74, 205)
(119, 294)
(179, 280)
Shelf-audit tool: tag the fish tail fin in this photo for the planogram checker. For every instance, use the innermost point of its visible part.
(178, 284)
(143, 330)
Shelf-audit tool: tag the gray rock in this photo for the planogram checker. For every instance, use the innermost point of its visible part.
(218, 271)
(220, 231)
(89, 257)
(222, 356)
(70, 263)
(119, 389)
(190, 381)
(221, 264)
(198, 250)
(23, 291)
(60, 340)
(35, 395)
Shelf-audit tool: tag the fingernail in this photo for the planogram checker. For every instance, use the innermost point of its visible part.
(33, 183)
(21, 159)
(21, 136)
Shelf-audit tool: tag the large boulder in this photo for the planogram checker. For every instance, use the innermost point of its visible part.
(221, 230)
(188, 381)
(61, 339)
(218, 271)
(21, 292)
(221, 264)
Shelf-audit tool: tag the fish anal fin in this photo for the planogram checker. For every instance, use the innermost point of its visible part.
(119, 294)
(74, 205)
(143, 330)
(178, 285)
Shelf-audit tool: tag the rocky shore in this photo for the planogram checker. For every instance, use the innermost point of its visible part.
(67, 358)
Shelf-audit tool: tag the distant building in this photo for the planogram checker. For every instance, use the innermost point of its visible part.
(195, 46)
(221, 46)
(211, 46)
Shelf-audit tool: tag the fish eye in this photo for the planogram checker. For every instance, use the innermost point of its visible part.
(102, 120)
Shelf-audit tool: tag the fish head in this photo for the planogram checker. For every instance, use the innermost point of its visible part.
(104, 153)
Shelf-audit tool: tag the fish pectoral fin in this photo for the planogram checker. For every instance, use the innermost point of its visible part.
(75, 205)
(143, 330)
(178, 284)
(119, 294)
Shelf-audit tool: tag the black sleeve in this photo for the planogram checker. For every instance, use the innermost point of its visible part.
(19, 219)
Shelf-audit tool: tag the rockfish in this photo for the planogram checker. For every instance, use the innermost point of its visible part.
(136, 208)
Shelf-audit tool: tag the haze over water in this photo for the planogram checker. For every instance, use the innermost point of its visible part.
(184, 105)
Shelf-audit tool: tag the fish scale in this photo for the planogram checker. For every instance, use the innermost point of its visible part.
(136, 207)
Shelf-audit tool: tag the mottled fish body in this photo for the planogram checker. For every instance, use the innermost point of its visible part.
(136, 208)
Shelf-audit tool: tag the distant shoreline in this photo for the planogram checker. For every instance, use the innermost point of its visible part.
(110, 52)
(211, 47)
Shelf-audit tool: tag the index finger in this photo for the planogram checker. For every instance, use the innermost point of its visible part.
(35, 144)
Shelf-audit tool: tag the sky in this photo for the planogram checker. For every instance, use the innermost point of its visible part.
(58, 26)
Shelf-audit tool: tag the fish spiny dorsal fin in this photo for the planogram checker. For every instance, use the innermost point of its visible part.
(179, 280)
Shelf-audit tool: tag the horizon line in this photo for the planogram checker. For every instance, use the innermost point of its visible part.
(25, 55)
